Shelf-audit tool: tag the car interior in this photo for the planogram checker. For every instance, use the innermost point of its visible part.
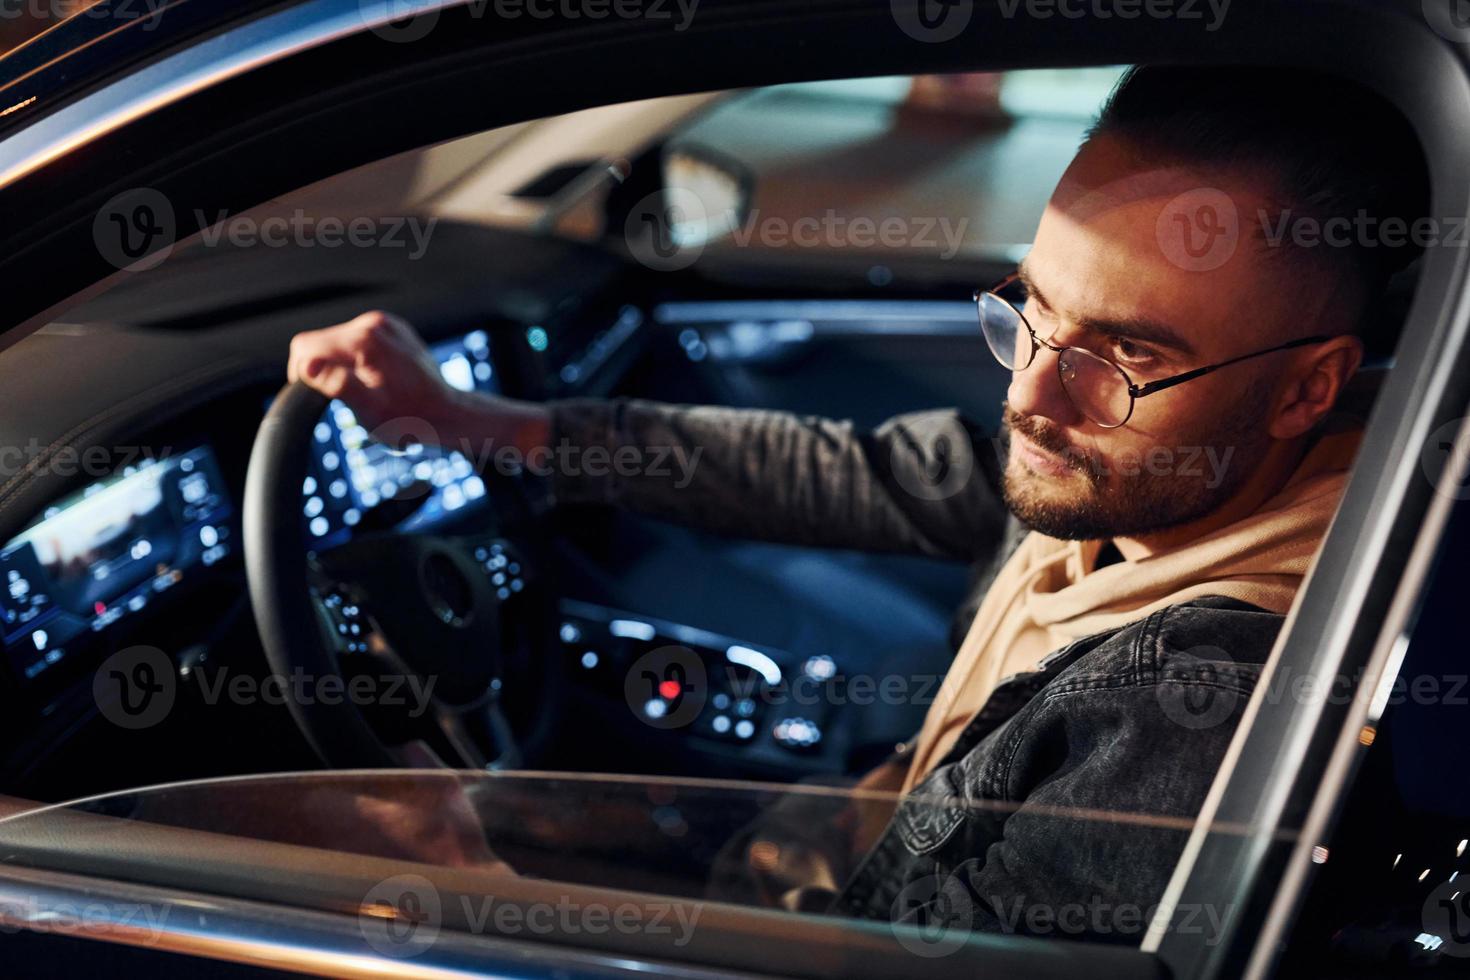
(157, 474)
(521, 289)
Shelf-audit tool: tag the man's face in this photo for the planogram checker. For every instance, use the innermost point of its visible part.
(1107, 274)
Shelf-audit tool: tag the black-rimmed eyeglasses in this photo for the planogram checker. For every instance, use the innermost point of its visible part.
(1100, 389)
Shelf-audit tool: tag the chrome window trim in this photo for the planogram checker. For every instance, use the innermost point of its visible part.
(279, 937)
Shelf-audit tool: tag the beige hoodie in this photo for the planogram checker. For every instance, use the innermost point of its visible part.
(1049, 595)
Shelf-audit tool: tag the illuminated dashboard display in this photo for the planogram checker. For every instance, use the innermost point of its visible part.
(107, 551)
(351, 474)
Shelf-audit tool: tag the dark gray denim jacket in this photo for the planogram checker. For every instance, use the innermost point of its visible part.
(1067, 800)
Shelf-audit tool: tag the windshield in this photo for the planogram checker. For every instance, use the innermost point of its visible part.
(811, 171)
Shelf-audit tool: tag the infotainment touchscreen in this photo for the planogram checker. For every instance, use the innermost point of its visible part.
(108, 552)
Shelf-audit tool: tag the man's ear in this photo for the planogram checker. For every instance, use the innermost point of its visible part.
(1314, 384)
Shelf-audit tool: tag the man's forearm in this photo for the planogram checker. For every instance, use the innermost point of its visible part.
(782, 477)
(921, 483)
(472, 421)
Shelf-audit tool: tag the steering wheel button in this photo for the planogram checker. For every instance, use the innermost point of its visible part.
(744, 728)
(516, 585)
(721, 724)
(502, 593)
(498, 578)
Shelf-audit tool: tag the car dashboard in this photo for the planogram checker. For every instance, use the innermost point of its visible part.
(110, 551)
(123, 544)
(144, 545)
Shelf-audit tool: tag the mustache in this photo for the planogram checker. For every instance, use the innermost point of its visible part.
(1043, 435)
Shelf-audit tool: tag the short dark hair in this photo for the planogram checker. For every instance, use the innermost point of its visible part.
(1333, 147)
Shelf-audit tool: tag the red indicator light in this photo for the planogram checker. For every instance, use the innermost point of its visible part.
(670, 689)
(99, 607)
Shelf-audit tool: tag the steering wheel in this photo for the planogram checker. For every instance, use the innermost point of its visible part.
(412, 649)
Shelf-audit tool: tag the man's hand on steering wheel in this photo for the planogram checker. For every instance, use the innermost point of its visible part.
(379, 366)
(466, 609)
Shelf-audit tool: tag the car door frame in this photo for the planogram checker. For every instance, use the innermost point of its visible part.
(223, 122)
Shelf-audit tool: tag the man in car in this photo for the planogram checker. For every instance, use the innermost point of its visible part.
(1180, 335)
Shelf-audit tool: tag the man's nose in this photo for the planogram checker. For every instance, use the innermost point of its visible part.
(1037, 390)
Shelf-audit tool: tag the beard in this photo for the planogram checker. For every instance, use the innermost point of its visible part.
(1145, 492)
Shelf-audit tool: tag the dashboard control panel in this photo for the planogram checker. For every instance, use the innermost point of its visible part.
(352, 474)
(754, 703)
(107, 552)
